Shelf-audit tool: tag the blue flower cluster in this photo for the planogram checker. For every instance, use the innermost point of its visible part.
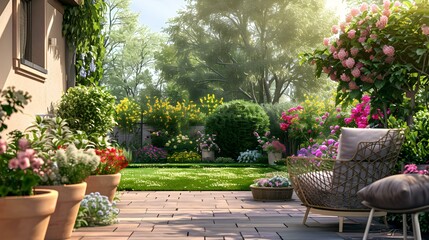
(96, 209)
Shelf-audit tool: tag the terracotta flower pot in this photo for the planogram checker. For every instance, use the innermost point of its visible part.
(62, 221)
(207, 155)
(106, 185)
(274, 156)
(27, 217)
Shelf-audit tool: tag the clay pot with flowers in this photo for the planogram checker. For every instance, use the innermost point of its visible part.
(207, 146)
(64, 171)
(21, 206)
(24, 212)
(272, 146)
(105, 179)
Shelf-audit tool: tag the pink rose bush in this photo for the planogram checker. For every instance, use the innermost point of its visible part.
(380, 50)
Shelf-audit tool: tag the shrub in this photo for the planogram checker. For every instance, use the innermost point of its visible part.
(180, 143)
(89, 109)
(184, 157)
(162, 115)
(150, 154)
(234, 123)
(159, 138)
(249, 156)
(224, 160)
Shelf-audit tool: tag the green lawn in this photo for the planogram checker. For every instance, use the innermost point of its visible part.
(196, 179)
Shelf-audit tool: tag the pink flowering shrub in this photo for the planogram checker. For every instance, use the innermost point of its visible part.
(381, 50)
(19, 168)
(269, 144)
(152, 154)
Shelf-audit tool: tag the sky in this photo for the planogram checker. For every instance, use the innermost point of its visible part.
(155, 13)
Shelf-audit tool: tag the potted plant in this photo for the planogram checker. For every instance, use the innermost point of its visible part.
(276, 188)
(65, 171)
(21, 207)
(207, 146)
(105, 179)
(272, 146)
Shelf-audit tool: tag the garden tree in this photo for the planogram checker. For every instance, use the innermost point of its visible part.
(244, 48)
(130, 50)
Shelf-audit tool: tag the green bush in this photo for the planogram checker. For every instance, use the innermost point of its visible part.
(234, 123)
(88, 109)
(224, 160)
(184, 157)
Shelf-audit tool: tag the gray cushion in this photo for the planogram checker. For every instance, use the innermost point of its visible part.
(397, 192)
(351, 137)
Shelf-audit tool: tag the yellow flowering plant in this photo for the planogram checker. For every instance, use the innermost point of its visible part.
(209, 103)
(162, 115)
(127, 114)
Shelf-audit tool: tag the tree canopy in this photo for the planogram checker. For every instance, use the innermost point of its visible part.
(244, 49)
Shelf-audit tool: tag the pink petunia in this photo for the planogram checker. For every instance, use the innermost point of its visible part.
(13, 163)
(23, 144)
(397, 4)
(24, 163)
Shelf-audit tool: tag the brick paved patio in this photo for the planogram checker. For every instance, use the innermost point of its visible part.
(221, 215)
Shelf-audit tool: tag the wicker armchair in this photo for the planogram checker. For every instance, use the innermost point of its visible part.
(329, 187)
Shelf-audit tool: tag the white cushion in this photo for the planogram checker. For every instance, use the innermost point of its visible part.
(351, 137)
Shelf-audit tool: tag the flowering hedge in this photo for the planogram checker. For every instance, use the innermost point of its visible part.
(383, 50)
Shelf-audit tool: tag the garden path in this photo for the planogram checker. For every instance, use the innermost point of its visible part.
(213, 215)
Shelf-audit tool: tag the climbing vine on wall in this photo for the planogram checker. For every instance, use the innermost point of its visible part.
(82, 27)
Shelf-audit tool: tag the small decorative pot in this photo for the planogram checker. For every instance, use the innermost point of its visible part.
(207, 155)
(271, 193)
(27, 217)
(106, 185)
(62, 220)
(274, 156)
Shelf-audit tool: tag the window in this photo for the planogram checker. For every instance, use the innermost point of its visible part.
(30, 35)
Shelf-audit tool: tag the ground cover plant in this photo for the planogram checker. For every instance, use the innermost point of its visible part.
(192, 179)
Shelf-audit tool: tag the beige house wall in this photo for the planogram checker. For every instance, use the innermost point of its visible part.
(43, 92)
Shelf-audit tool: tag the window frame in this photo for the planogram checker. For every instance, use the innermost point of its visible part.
(36, 67)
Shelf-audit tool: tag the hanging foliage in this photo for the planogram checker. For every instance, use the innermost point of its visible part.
(82, 27)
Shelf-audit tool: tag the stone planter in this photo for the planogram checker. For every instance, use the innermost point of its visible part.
(104, 184)
(274, 156)
(207, 155)
(27, 217)
(62, 221)
(271, 193)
